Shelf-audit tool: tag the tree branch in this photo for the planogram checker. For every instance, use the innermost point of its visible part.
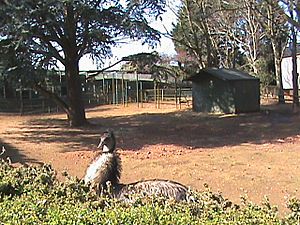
(50, 95)
(52, 50)
(106, 68)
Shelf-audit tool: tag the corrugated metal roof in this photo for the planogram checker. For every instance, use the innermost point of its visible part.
(125, 76)
(223, 74)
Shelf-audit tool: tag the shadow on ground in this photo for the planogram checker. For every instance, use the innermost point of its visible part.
(12, 154)
(184, 128)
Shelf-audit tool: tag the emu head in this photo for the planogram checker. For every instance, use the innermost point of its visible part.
(107, 142)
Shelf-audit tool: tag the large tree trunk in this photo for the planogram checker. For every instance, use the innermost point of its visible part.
(76, 113)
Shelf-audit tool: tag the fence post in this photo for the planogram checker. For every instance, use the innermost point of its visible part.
(155, 97)
(113, 89)
(126, 93)
(4, 89)
(116, 89)
(158, 97)
(176, 97)
(179, 97)
(141, 93)
(137, 88)
(43, 105)
(21, 101)
(122, 87)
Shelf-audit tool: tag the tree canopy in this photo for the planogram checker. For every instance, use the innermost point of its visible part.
(44, 32)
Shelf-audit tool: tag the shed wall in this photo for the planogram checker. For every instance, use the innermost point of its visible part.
(213, 95)
(247, 96)
(225, 96)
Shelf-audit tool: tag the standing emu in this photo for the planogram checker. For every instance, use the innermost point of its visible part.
(107, 168)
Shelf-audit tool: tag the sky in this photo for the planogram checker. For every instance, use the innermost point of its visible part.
(166, 45)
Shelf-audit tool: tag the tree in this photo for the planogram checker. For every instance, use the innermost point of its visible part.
(255, 53)
(193, 32)
(294, 18)
(276, 30)
(141, 62)
(204, 33)
(42, 32)
(248, 34)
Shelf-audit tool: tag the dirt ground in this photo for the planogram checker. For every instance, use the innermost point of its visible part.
(254, 154)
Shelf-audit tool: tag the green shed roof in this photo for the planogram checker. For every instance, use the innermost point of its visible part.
(222, 74)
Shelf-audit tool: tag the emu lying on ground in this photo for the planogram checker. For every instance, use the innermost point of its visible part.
(107, 168)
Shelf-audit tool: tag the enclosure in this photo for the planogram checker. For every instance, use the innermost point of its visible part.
(98, 88)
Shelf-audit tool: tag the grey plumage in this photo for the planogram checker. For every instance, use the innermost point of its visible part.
(108, 168)
(157, 187)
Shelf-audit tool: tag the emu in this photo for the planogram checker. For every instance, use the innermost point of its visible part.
(106, 168)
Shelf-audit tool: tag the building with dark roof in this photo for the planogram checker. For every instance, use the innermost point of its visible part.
(225, 91)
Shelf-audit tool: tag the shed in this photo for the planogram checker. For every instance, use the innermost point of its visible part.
(225, 91)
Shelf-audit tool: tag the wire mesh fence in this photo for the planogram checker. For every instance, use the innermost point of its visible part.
(38, 104)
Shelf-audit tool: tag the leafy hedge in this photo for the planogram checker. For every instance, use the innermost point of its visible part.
(33, 195)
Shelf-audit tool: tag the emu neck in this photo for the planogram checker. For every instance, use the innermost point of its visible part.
(105, 167)
(106, 149)
(98, 167)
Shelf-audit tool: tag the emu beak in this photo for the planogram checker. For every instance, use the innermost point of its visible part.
(100, 145)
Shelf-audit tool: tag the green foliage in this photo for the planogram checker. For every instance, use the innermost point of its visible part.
(141, 62)
(294, 207)
(265, 74)
(33, 195)
(43, 32)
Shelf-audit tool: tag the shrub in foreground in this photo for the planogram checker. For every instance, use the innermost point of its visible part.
(33, 195)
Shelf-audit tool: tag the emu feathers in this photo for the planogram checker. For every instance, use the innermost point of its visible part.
(107, 168)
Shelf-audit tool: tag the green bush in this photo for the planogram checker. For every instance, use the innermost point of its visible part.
(33, 195)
